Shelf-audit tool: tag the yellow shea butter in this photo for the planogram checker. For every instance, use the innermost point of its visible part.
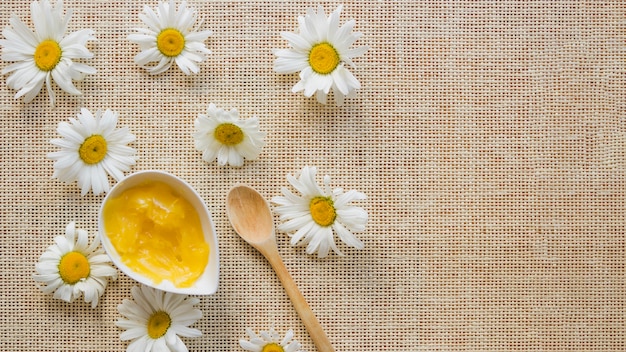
(157, 233)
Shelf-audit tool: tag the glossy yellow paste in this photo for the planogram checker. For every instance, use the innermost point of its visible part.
(157, 233)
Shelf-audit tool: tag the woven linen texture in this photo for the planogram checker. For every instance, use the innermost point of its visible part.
(489, 137)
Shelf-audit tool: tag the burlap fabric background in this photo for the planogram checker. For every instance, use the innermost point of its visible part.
(489, 137)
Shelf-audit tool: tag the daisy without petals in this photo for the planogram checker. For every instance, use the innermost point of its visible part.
(319, 53)
(46, 54)
(222, 135)
(270, 341)
(170, 38)
(72, 267)
(317, 211)
(91, 148)
(155, 319)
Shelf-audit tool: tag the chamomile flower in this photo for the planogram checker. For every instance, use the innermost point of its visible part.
(46, 54)
(155, 320)
(91, 148)
(72, 267)
(319, 52)
(170, 38)
(270, 341)
(222, 135)
(311, 217)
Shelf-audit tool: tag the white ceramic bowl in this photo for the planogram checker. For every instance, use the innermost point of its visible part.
(207, 283)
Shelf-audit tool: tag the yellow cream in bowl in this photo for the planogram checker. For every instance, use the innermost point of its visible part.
(157, 233)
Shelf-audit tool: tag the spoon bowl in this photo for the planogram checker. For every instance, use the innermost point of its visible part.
(250, 216)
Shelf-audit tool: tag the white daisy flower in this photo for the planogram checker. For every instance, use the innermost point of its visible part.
(319, 52)
(91, 148)
(317, 212)
(72, 267)
(156, 319)
(270, 341)
(170, 38)
(222, 135)
(46, 54)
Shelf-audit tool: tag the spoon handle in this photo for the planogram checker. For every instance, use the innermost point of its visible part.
(299, 303)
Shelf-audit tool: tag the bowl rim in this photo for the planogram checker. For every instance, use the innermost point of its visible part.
(208, 282)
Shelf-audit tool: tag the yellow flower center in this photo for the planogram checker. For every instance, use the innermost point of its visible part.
(322, 211)
(73, 267)
(228, 134)
(272, 347)
(93, 149)
(170, 42)
(47, 55)
(158, 323)
(323, 58)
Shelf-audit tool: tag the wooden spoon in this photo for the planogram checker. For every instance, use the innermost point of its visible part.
(250, 216)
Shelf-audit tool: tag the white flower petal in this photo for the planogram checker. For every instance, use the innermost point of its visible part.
(343, 36)
(290, 62)
(340, 83)
(21, 31)
(163, 65)
(30, 85)
(298, 42)
(24, 75)
(248, 346)
(185, 331)
(186, 65)
(132, 333)
(151, 19)
(64, 81)
(348, 237)
(321, 96)
(142, 344)
(197, 38)
(147, 56)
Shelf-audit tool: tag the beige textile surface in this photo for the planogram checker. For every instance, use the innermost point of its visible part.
(489, 137)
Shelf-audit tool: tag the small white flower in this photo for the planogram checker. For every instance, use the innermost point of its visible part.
(317, 212)
(170, 39)
(319, 52)
(72, 267)
(91, 148)
(222, 135)
(156, 319)
(46, 54)
(270, 341)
